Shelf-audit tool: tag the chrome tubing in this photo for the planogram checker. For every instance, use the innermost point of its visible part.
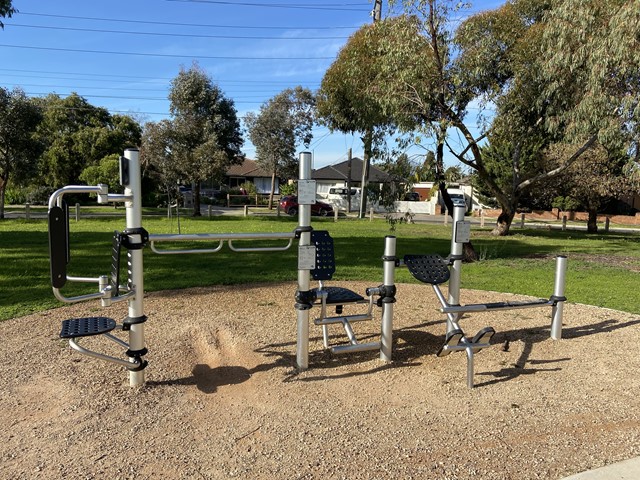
(221, 238)
(125, 363)
(558, 293)
(56, 197)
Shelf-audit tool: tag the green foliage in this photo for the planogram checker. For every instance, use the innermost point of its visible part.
(107, 172)
(6, 10)
(565, 204)
(19, 149)
(288, 189)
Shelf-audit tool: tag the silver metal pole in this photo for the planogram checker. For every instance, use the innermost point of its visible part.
(304, 282)
(389, 276)
(134, 258)
(456, 266)
(558, 293)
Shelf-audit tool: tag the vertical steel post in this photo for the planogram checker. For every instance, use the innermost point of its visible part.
(558, 293)
(389, 281)
(134, 259)
(456, 266)
(304, 282)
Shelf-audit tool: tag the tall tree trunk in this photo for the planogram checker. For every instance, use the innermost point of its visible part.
(368, 142)
(503, 224)
(273, 188)
(3, 188)
(196, 199)
(592, 221)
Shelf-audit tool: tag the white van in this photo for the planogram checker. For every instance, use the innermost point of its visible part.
(338, 197)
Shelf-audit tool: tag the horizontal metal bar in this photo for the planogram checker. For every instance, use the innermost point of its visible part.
(83, 279)
(342, 319)
(260, 249)
(79, 298)
(184, 251)
(482, 307)
(221, 238)
(359, 347)
(463, 346)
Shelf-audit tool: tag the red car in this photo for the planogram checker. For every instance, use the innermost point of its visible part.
(289, 204)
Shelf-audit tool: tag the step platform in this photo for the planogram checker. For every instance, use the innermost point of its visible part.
(451, 340)
(86, 327)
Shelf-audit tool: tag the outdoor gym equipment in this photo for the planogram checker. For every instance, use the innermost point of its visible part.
(435, 270)
(134, 238)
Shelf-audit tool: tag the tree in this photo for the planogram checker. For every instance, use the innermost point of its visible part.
(19, 149)
(285, 121)
(205, 131)
(347, 100)
(78, 135)
(6, 10)
(107, 171)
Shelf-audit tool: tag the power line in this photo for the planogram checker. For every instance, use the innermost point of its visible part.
(163, 34)
(122, 97)
(179, 24)
(277, 5)
(162, 55)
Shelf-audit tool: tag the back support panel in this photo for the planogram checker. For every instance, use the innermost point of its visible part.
(325, 260)
(59, 245)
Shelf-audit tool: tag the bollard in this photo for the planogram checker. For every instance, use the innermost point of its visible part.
(564, 223)
(446, 218)
(481, 218)
(335, 215)
(246, 210)
(371, 214)
(27, 211)
(522, 221)
(606, 224)
(209, 210)
(77, 212)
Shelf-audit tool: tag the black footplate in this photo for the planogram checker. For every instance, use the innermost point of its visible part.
(451, 340)
(432, 269)
(340, 295)
(86, 327)
(484, 336)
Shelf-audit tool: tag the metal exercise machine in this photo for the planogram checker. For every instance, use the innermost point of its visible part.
(134, 238)
(435, 270)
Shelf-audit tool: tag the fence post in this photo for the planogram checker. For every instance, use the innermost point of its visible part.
(228, 200)
(246, 210)
(335, 215)
(27, 211)
(482, 218)
(77, 212)
(564, 223)
(606, 224)
(522, 220)
(371, 214)
(209, 210)
(446, 218)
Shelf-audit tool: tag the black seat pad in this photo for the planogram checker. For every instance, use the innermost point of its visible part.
(432, 269)
(340, 296)
(86, 327)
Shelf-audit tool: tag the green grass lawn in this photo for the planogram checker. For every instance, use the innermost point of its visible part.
(602, 269)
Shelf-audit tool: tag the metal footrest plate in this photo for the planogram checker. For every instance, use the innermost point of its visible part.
(452, 339)
(86, 327)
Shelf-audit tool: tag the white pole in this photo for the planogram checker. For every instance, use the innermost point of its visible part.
(304, 282)
(134, 257)
(389, 275)
(558, 294)
(456, 266)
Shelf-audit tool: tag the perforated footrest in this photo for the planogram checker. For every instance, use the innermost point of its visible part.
(86, 327)
(432, 269)
(451, 340)
(340, 295)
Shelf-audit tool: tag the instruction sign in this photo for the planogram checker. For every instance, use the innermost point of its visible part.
(306, 257)
(463, 232)
(306, 192)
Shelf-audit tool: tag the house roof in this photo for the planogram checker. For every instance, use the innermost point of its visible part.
(339, 172)
(248, 168)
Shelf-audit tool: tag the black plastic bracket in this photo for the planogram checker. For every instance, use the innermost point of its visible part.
(300, 230)
(304, 300)
(127, 322)
(555, 299)
(128, 244)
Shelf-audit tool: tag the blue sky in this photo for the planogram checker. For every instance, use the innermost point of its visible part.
(122, 55)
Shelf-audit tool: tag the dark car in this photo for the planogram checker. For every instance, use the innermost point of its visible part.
(289, 204)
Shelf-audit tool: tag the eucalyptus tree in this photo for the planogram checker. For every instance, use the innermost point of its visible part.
(284, 121)
(205, 130)
(347, 100)
(19, 148)
(6, 10)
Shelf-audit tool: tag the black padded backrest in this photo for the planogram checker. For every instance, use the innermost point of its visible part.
(432, 269)
(325, 261)
(58, 245)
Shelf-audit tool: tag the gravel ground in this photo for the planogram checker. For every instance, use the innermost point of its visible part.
(223, 399)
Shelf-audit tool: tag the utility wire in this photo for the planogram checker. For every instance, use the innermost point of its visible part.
(163, 34)
(162, 55)
(275, 5)
(179, 24)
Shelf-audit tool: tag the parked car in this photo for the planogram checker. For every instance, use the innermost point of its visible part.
(289, 204)
(412, 197)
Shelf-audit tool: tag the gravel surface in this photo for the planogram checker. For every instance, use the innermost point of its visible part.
(223, 399)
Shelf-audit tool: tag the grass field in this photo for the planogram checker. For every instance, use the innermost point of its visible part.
(603, 268)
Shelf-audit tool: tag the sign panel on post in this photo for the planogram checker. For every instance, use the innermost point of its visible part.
(463, 232)
(306, 192)
(306, 257)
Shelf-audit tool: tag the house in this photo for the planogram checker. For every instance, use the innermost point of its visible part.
(332, 180)
(250, 171)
